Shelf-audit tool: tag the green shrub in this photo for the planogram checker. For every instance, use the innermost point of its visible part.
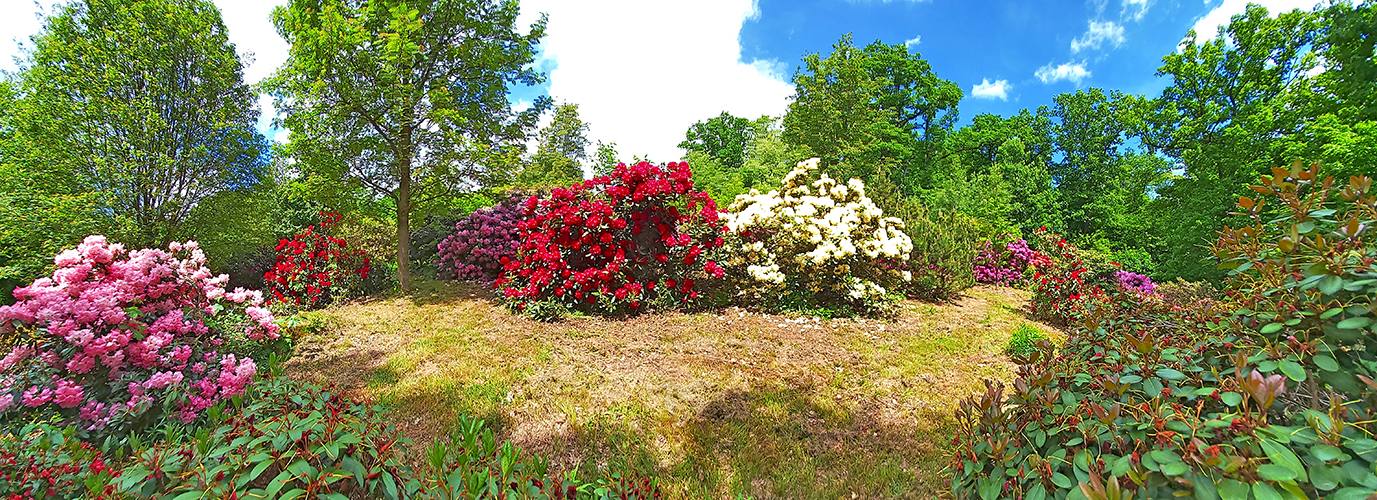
(1024, 340)
(945, 245)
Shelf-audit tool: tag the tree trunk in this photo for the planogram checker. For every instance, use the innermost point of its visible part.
(404, 224)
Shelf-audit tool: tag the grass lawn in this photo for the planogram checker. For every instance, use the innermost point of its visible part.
(713, 404)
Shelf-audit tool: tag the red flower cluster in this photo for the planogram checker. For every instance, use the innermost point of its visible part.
(638, 235)
(314, 268)
(1061, 294)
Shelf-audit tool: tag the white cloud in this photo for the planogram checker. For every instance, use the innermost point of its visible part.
(639, 88)
(917, 39)
(643, 88)
(1207, 27)
(1097, 34)
(1067, 71)
(1135, 9)
(999, 89)
(19, 22)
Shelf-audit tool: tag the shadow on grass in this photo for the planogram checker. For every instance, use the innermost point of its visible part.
(766, 443)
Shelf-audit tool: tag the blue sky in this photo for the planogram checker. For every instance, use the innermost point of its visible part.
(642, 71)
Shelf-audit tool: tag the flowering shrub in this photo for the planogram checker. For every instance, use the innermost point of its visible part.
(614, 244)
(1060, 295)
(1129, 280)
(475, 251)
(1006, 264)
(114, 334)
(815, 243)
(313, 268)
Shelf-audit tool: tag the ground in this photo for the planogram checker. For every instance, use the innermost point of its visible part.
(715, 404)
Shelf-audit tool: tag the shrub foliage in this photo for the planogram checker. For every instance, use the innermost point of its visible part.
(314, 268)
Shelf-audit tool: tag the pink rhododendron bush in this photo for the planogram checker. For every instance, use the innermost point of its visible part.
(116, 338)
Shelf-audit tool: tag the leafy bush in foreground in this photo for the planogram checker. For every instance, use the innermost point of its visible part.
(1267, 395)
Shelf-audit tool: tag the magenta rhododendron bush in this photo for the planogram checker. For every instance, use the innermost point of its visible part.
(115, 334)
(614, 244)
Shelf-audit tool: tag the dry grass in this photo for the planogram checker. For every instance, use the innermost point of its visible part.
(714, 404)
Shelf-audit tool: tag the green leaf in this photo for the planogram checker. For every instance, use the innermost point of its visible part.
(292, 494)
(1271, 328)
(1061, 481)
(1354, 323)
(1326, 363)
(190, 495)
(1264, 491)
(1323, 477)
(1175, 468)
(1326, 452)
(1331, 284)
(1293, 370)
(1170, 374)
(1274, 472)
(1280, 455)
(1331, 313)
(1231, 398)
(1164, 456)
(1230, 489)
(1352, 494)
(1036, 493)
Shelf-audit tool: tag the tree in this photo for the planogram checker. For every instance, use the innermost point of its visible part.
(1237, 106)
(924, 107)
(605, 160)
(142, 101)
(562, 146)
(836, 116)
(407, 99)
(723, 138)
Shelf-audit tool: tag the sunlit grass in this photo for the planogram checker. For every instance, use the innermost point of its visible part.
(712, 404)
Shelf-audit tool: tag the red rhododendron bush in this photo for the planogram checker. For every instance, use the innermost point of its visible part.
(115, 336)
(314, 268)
(615, 244)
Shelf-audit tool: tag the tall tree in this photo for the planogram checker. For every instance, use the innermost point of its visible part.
(924, 107)
(142, 101)
(723, 138)
(404, 98)
(563, 146)
(1236, 106)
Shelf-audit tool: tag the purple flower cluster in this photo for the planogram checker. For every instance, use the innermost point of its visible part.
(1134, 281)
(474, 252)
(114, 333)
(1004, 266)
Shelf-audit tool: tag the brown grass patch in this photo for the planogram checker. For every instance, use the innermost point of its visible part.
(714, 404)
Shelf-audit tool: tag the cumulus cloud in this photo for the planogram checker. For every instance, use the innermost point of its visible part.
(1098, 33)
(1067, 71)
(643, 87)
(998, 89)
(913, 41)
(1135, 9)
(1207, 27)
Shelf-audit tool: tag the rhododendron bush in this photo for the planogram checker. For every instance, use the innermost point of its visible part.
(814, 243)
(615, 243)
(1061, 294)
(1006, 263)
(314, 268)
(117, 335)
(474, 252)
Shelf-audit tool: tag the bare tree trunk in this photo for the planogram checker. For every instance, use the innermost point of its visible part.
(404, 224)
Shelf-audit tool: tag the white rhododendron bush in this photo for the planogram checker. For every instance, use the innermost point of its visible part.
(815, 242)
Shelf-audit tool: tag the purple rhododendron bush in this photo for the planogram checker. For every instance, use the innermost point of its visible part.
(475, 251)
(117, 337)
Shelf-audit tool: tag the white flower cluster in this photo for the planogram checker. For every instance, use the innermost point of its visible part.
(820, 235)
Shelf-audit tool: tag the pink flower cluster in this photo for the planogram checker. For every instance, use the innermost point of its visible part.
(145, 322)
(1005, 266)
